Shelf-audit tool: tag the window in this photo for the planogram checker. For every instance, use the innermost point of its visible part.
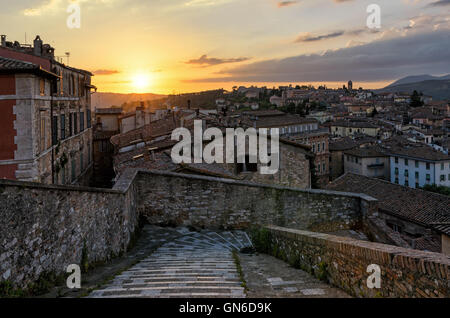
(42, 132)
(324, 167)
(428, 177)
(247, 166)
(70, 124)
(81, 121)
(75, 124)
(406, 173)
(63, 127)
(356, 159)
(406, 162)
(42, 87)
(314, 148)
(442, 166)
(396, 171)
(318, 147)
(323, 146)
(417, 185)
(417, 164)
(318, 167)
(428, 166)
(89, 118)
(55, 130)
(396, 180)
(417, 175)
(396, 159)
(442, 177)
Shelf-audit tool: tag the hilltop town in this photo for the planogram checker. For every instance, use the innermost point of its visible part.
(366, 168)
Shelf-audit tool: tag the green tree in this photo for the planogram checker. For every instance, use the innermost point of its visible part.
(416, 100)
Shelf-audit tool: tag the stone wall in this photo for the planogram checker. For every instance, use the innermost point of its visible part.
(174, 199)
(344, 261)
(46, 228)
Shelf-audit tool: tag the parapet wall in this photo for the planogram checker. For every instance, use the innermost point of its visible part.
(174, 199)
(43, 228)
(344, 261)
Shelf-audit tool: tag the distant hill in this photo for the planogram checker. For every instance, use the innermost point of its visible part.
(417, 79)
(104, 100)
(438, 89)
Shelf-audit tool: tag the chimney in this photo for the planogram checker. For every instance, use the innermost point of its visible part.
(37, 49)
(3, 40)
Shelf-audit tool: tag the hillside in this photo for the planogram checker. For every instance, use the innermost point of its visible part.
(103, 100)
(438, 89)
(417, 79)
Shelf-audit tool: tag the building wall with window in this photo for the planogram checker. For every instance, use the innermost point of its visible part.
(373, 167)
(38, 132)
(417, 173)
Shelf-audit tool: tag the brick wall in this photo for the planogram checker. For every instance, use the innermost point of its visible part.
(343, 262)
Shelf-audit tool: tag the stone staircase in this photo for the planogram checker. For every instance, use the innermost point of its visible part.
(193, 264)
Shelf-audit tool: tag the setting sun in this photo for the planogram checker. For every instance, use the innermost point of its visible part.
(141, 82)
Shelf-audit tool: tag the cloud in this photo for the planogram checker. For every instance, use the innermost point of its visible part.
(204, 60)
(206, 2)
(282, 4)
(106, 72)
(43, 7)
(308, 37)
(440, 3)
(386, 59)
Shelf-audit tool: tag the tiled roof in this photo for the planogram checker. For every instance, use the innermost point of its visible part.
(280, 121)
(111, 110)
(366, 152)
(423, 207)
(354, 124)
(420, 152)
(11, 64)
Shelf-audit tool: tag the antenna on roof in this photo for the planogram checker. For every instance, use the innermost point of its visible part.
(68, 56)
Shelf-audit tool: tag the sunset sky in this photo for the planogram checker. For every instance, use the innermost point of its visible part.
(174, 46)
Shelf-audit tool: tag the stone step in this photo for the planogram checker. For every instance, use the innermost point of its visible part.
(189, 264)
(244, 238)
(232, 241)
(175, 284)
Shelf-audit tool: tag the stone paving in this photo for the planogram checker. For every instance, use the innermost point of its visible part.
(195, 264)
(269, 277)
(200, 265)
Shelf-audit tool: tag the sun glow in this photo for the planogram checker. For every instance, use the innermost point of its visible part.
(141, 82)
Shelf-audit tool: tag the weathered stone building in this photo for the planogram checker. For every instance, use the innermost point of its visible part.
(47, 134)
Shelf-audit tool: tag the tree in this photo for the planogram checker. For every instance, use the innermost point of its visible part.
(416, 100)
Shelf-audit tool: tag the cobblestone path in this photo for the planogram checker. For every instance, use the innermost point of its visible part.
(195, 264)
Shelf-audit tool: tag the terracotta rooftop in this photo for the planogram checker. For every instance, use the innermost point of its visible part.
(111, 110)
(419, 152)
(366, 152)
(423, 207)
(8, 65)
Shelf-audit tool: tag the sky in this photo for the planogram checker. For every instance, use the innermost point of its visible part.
(176, 46)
